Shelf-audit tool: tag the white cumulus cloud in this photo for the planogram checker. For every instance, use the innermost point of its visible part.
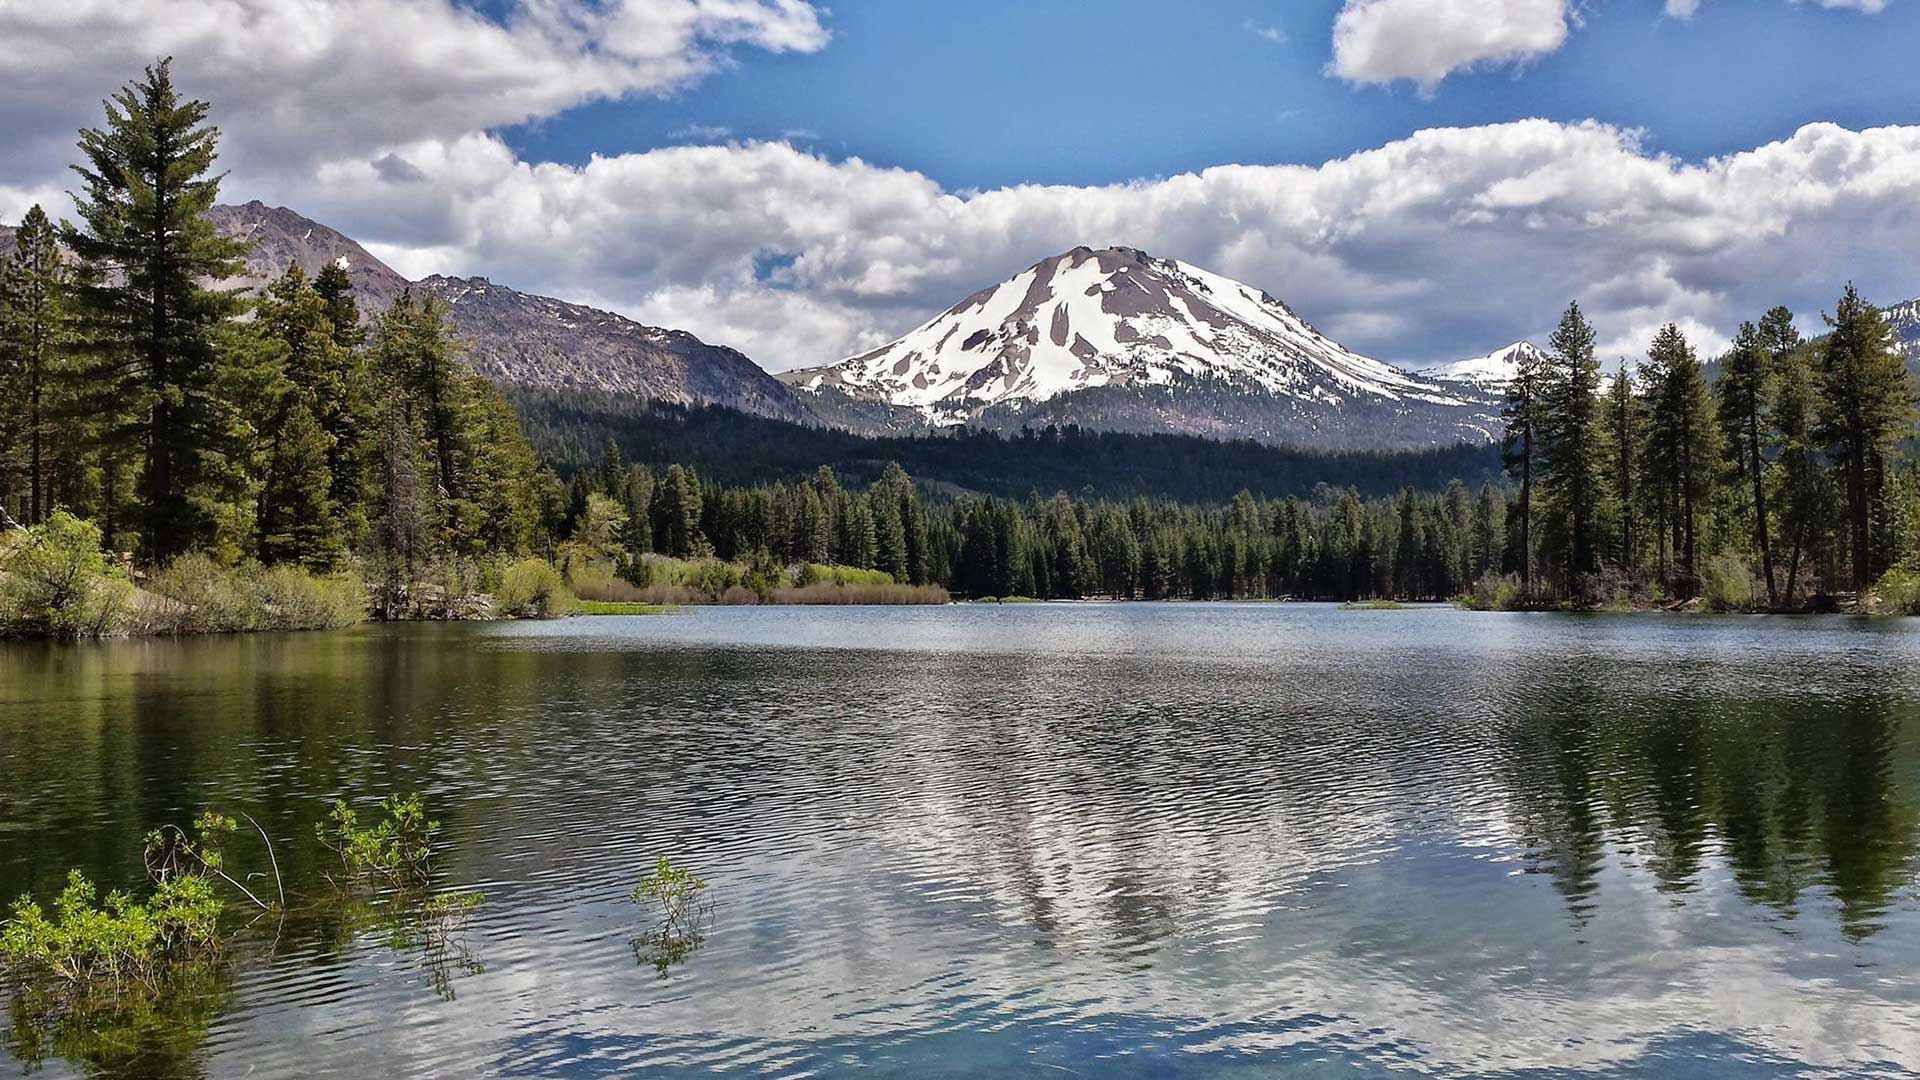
(1444, 244)
(302, 80)
(1383, 41)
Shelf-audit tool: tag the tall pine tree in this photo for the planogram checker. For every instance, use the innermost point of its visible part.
(1743, 391)
(1866, 404)
(148, 320)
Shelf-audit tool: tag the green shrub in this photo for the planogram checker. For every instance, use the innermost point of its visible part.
(1729, 584)
(84, 941)
(818, 574)
(1495, 592)
(100, 945)
(202, 597)
(292, 599)
(397, 848)
(531, 588)
(889, 594)
(1898, 591)
(679, 897)
(57, 582)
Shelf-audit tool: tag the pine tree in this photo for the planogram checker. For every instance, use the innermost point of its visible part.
(400, 543)
(677, 509)
(148, 320)
(1682, 447)
(1626, 428)
(1569, 444)
(1801, 485)
(34, 288)
(331, 379)
(1866, 404)
(297, 521)
(343, 311)
(1489, 531)
(1518, 446)
(1743, 391)
(1407, 551)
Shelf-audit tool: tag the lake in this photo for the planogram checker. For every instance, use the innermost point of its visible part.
(1113, 840)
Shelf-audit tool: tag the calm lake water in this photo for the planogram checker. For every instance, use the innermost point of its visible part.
(1048, 840)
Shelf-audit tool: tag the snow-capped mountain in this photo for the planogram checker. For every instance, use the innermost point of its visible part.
(1118, 339)
(1491, 372)
(1905, 320)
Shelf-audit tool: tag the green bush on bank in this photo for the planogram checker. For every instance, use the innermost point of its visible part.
(1730, 584)
(196, 595)
(1494, 592)
(1898, 591)
(55, 581)
(531, 588)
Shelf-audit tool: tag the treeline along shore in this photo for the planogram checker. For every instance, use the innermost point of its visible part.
(178, 457)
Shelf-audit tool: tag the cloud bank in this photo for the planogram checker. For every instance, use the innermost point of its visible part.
(1444, 244)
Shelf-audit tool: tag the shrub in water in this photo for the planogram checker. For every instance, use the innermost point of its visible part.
(86, 941)
(679, 897)
(97, 945)
(56, 582)
(397, 848)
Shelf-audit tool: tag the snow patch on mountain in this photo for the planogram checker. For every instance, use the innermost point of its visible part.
(1490, 372)
(1115, 317)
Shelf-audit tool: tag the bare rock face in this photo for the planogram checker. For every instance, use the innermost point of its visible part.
(1120, 340)
(517, 338)
(540, 342)
(282, 238)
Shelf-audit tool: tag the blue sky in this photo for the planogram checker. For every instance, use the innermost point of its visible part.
(1425, 180)
(993, 93)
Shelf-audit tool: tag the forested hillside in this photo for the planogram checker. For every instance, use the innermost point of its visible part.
(571, 429)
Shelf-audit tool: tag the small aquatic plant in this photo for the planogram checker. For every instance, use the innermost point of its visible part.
(684, 912)
(396, 848)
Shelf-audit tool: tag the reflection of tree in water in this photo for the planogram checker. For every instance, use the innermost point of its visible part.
(141, 1029)
(1820, 795)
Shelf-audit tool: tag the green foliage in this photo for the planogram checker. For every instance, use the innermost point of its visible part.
(396, 848)
(56, 582)
(1495, 592)
(1898, 591)
(151, 325)
(816, 574)
(95, 945)
(532, 588)
(1729, 584)
(679, 897)
(615, 607)
(196, 595)
(85, 940)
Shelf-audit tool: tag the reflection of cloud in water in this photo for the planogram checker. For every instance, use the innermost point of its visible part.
(1129, 841)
